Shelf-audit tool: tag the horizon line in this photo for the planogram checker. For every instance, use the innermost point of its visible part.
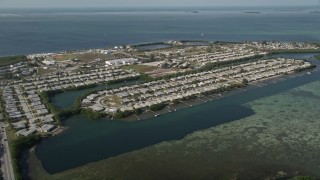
(159, 7)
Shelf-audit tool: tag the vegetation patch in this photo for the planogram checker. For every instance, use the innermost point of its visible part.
(305, 68)
(140, 68)
(207, 67)
(304, 178)
(17, 146)
(157, 107)
(66, 57)
(121, 114)
(5, 61)
(86, 57)
(93, 114)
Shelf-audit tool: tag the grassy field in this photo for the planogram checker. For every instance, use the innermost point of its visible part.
(140, 68)
(66, 57)
(87, 57)
(91, 56)
(44, 71)
(5, 61)
(11, 134)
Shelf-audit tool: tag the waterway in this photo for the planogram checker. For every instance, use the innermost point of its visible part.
(66, 99)
(93, 140)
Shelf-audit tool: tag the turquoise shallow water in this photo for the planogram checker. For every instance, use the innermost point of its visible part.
(280, 140)
(100, 139)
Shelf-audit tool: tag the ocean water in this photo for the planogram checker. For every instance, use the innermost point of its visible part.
(281, 138)
(49, 30)
(95, 140)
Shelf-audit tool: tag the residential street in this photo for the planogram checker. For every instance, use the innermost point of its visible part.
(6, 164)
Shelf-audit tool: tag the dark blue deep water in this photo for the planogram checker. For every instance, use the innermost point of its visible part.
(49, 30)
(37, 31)
(93, 140)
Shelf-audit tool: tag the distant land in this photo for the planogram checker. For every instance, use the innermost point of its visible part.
(157, 26)
(252, 12)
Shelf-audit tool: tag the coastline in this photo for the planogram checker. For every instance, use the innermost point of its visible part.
(211, 97)
(269, 81)
(280, 128)
(188, 103)
(191, 103)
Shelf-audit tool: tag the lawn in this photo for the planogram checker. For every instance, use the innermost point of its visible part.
(92, 56)
(140, 68)
(87, 57)
(44, 71)
(5, 61)
(11, 134)
(66, 57)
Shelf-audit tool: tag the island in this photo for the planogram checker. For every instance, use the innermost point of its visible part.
(252, 12)
(151, 81)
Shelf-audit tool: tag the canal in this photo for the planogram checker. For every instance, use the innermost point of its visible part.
(88, 141)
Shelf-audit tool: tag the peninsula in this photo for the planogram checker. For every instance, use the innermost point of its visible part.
(161, 77)
(167, 75)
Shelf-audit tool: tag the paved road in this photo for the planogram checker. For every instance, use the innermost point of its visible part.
(25, 105)
(6, 166)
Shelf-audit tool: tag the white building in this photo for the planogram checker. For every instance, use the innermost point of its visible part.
(48, 62)
(123, 61)
(46, 128)
(19, 125)
(26, 132)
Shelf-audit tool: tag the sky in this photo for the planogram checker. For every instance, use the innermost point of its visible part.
(150, 3)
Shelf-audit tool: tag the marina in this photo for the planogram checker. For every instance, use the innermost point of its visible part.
(159, 93)
(184, 87)
(108, 130)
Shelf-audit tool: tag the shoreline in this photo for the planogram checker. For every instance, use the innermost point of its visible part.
(171, 45)
(263, 83)
(268, 81)
(199, 100)
(203, 99)
(171, 107)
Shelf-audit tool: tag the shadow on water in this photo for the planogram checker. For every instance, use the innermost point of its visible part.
(88, 141)
(125, 137)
